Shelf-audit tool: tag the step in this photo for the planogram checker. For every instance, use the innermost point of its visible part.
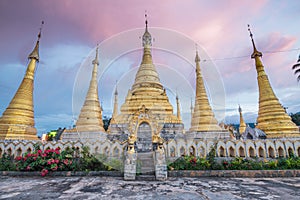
(145, 178)
(147, 162)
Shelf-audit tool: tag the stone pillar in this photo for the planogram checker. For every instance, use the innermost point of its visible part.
(161, 172)
(130, 163)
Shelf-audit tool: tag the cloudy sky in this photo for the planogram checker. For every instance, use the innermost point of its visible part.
(219, 28)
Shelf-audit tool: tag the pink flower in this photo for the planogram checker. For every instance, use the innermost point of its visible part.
(19, 158)
(66, 161)
(56, 161)
(39, 151)
(49, 162)
(28, 167)
(44, 172)
(44, 155)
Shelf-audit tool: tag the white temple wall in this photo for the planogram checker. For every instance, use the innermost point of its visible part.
(268, 148)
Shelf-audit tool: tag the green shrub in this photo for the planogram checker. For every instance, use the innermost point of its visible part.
(193, 163)
(7, 163)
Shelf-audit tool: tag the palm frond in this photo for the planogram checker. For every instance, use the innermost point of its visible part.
(297, 71)
(296, 65)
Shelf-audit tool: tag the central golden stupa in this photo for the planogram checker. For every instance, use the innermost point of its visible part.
(147, 91)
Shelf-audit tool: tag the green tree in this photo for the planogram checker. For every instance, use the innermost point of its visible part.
(106, 122)
(296, 118)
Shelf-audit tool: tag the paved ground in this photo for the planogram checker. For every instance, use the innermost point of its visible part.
(173, 188)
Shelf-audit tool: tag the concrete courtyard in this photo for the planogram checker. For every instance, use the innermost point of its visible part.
(174, 188)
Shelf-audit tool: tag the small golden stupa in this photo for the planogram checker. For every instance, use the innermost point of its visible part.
(90, 117)
(242, 127)
(203, 119)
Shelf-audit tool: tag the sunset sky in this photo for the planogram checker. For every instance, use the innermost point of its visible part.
(72, 30)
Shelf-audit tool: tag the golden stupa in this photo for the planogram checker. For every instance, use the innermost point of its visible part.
(203, 119)
(147, 91)
(242, 127)
(17, 121)
(115, 110)
(90, 117)
(178, 108)
(272, 117)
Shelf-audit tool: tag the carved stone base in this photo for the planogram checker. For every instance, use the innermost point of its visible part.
(129, 171)
(161, 172)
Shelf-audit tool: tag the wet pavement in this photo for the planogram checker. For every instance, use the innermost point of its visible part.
(173, 188)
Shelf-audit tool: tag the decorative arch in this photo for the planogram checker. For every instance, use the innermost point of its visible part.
(290, 152)
(172, 151)
(241, 151)
(182, 151)
(202, 152)
(106, 151)
(143, 115)
(261, 152)
(192, 151)
(222, 152)
(29, 150)
(280, 152)
(116, 152)
(271, 152)
(231, 151)
(19, 152)
(251, 152)
(9, 151)
(96, 149)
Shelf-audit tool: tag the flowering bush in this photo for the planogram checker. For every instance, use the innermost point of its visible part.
(45, 161)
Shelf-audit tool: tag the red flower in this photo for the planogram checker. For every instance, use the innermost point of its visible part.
(39, 151)
(28, 167)
(44, 155)
(44, 172)
(19, 158)
(56, 161)
(66, 161)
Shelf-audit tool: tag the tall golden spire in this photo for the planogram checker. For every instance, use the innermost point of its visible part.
(17, 121)
(203, 119)
(147, 73)
(90, 117)
(272, 118)
(115, 111)
(178, 108)
(242, 127)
